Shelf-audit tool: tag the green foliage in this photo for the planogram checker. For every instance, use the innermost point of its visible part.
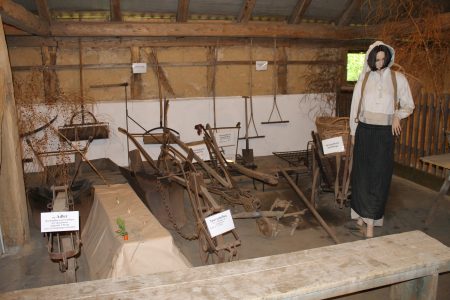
(121, 224)
(355, 63)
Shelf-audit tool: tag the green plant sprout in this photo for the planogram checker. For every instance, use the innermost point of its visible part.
(122, 230)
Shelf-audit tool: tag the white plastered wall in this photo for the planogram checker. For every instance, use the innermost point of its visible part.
(184, 114)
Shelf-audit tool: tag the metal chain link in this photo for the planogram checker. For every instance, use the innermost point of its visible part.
(161, 190)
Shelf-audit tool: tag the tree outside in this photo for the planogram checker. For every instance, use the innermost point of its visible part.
(355, 63)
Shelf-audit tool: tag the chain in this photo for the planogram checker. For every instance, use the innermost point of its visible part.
(161, 190)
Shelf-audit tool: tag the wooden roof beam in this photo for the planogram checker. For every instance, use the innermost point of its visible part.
(246, 11)
(298, 12)
(115, 11)
(16, 15)
(43, 10)
(267, 29)
(183, 11)
(346, 16)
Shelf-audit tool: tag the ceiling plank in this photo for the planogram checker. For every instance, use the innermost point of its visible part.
(43, 10)
(183, 11)
(246, 11)
(298, 12)
(16, 15)
(115, 11)
(260, 29)
(348, 13)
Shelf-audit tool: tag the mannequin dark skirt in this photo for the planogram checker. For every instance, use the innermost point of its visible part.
(373, 165)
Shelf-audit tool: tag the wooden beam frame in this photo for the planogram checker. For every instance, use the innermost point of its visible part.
(43, 10)
(246, 11)
(298, 12)
(183, 11)
(349, 12)
(127, 42)
(266, 29)
(16, 15)
(115, 11)
(51, 83)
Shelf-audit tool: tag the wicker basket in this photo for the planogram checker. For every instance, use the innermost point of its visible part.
(329, 127)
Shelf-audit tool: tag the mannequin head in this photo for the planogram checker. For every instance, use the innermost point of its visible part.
(379, 58)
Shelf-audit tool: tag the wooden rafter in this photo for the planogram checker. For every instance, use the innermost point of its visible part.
(346, 16)
(183, 11)
(246, 11)
(115, 11)
(298, 12)
(16, 15)
(12, 30)
(43, 10)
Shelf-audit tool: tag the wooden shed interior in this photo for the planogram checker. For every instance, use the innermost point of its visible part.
(259, 70)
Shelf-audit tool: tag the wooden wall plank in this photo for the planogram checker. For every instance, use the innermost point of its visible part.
(416, 115)
(410, 140)
(423, 126)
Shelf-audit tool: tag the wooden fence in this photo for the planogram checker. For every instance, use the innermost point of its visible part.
(424, 133)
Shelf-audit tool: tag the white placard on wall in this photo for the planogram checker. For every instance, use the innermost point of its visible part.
(139, 68)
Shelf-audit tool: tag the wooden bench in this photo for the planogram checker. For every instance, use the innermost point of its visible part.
(443, 161)
(410, 262)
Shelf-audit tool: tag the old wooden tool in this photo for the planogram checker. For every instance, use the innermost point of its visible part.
(310, 206)
(275, 89)
(247, 153)
(63, 247)
(175, 167)
(83, 123)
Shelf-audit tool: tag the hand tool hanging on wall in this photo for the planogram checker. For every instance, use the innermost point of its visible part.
(89, 126)
(152, 136)
(111, 85)
(275, 88)
(247, 153)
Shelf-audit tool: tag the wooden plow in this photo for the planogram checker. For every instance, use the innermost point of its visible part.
(205, 185)
(64, 247)
(267, 221)
(176, 168)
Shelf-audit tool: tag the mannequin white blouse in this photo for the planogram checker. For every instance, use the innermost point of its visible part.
(377, 106)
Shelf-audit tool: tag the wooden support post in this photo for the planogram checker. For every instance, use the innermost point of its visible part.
(51, 83)
(136, 79)
(282, 71)
(13, 204)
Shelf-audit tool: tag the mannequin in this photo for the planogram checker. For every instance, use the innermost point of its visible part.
(381, 98)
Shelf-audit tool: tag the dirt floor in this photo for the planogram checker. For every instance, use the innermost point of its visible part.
(407, 208)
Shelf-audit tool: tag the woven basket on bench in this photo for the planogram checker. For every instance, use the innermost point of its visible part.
(329, 127)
